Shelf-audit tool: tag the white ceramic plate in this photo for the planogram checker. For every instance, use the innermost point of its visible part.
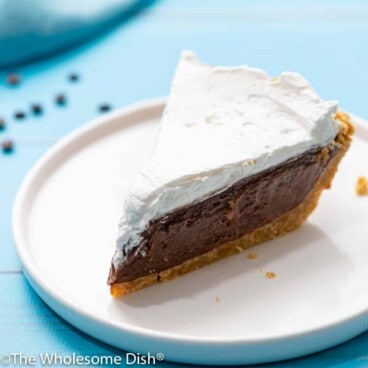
(65, 222)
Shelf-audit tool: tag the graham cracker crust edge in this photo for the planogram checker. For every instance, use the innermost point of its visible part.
(280, 226)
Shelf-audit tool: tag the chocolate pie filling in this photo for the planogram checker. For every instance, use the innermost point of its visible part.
(240, 209)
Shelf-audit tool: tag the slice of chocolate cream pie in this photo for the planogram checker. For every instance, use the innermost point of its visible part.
(241, 158)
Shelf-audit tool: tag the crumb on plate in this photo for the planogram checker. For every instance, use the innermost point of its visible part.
(252, 256)
(361, 186)
(270, 275)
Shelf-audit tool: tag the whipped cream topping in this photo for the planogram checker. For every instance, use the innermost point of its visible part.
(221, 124)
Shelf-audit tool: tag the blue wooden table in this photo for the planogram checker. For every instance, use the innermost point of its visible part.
(327, 41)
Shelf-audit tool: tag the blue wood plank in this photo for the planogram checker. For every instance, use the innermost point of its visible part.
(247, 4)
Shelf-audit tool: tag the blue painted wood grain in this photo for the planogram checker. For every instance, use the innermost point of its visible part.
(326, 41)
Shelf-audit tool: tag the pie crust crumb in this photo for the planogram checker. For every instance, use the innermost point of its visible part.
(252, 256)
(362, 186)
(270, 275)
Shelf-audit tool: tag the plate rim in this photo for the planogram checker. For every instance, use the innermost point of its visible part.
(33, 273)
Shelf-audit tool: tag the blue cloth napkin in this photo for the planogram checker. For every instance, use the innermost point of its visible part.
(30, 29)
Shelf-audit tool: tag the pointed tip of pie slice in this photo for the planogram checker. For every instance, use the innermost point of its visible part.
(118, 290)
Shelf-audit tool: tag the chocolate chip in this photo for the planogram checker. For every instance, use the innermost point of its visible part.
(60, 99)
(13, 79)
(19, 115)
(104, 107)
(37, 109)
(73, 77)
(7, 146)
(2, 124)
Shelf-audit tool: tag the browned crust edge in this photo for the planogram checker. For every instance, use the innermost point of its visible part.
(280, 226)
